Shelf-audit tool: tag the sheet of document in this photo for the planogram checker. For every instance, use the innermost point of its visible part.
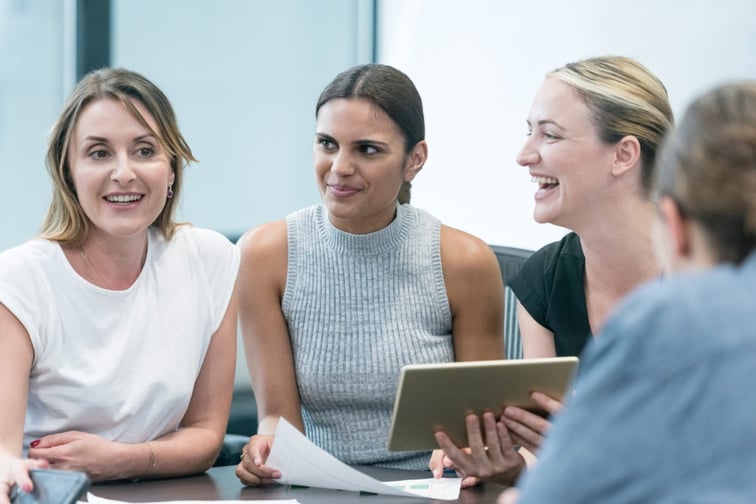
(303, 463)
(93, 499)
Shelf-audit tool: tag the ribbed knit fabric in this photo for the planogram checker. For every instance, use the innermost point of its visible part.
(359, 307)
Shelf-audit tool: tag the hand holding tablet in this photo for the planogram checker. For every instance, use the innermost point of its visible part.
(439, 396)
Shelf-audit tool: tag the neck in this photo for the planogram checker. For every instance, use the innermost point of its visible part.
(617, 259)
(114, 266)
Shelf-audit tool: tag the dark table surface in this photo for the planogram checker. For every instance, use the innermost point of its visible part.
(221, 483)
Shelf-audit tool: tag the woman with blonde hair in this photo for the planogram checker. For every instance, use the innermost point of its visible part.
(118, 324)
(594, 128)
(665, 408)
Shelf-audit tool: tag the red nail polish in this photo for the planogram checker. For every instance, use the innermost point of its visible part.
(35, 443)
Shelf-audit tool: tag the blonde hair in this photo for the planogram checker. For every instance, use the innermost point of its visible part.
(66, 221)
(624, 98)
(708, 167)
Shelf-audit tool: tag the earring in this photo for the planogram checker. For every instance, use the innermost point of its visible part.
(170, 191)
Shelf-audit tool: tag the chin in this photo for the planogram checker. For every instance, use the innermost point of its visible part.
(543, 217)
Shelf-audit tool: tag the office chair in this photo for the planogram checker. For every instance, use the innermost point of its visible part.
(510, 261)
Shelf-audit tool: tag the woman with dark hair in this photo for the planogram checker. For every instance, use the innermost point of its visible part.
(337, 297)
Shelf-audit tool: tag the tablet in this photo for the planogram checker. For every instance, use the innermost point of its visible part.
(438, 396)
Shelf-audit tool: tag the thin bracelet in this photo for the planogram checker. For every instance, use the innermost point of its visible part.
(153, 460)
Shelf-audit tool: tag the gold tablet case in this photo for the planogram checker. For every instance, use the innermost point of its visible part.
(438, 396)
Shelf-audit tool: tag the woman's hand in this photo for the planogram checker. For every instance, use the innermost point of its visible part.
(80, 451)
(252, 470)
(440, 462)
(508, 496)
(493, 458)
(528, 429)
(15, 471)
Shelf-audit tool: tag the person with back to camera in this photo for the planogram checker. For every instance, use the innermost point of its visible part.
(337, 297)
(665, 392)
(118, 324)
(593, 131)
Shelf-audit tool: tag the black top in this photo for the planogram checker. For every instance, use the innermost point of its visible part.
(550, 286)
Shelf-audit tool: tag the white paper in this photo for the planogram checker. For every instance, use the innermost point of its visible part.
(93, 499)
(303, 463)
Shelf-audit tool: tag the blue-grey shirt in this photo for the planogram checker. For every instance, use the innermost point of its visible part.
(665, 406)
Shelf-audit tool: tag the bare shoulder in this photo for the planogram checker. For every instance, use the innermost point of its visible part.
(264, 242)
(465, 253)
(264, 255)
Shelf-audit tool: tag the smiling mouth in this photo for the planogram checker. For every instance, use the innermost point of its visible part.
(123, 198)
(545, 183)
(342, 190)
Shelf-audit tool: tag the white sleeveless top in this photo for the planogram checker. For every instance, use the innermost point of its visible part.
(119, 364)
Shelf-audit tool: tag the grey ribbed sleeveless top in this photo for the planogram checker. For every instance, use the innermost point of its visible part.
(358, 308)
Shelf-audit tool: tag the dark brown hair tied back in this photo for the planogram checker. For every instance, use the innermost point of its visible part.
(391, 91)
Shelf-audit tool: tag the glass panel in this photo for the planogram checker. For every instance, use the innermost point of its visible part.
(31, 84)
(243, 77)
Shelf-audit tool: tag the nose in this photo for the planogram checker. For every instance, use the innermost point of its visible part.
(122, 171)
(342, 164)
(528, 155)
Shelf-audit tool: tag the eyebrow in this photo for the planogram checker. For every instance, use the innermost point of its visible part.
(545, 121)
(359, 141)
(99, 139)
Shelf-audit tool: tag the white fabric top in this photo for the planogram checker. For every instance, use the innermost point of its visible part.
(120, 364)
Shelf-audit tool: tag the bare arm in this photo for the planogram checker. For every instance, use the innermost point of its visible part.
(262, 279)
(16, 355)
(476, 296)
(537, 341)
(195, 446)
(525, 428)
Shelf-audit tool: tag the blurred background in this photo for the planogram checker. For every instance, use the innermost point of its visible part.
(244, 75)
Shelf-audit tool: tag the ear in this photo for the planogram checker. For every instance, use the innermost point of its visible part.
(627, 154)
(172, 177)
(415, 160)
(677, 227)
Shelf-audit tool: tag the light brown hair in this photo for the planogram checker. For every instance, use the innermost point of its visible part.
(66, 221)
(707, 165)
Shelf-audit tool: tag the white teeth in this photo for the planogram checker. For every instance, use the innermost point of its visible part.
(544, 180)
(123, 198)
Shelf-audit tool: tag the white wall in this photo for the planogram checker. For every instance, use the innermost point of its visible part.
(477, 64)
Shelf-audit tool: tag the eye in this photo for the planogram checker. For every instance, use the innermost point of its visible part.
(145, 151)
(368, 149)
(326, 143)
(98, 154)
